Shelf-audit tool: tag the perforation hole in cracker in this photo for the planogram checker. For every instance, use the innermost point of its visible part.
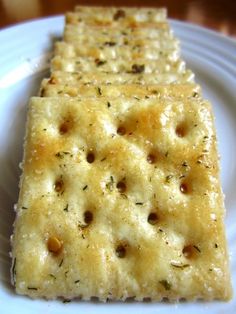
(191, 251)
(181, 129)
(152, 158)
(54, 245)
(185, 187)
(121, 130)
(59, 185)
(88, 217)
(153, 218)
(64, 128)
(66, 125)
(121, 250)
(121, 186)
(90, 157)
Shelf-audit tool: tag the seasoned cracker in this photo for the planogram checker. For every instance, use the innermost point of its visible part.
(73, 18)
(148, 49)
(116, 16)
(73, 78)
(120, 13)
(120, 201)
(121, 35)
(163, 64)
(120, 90)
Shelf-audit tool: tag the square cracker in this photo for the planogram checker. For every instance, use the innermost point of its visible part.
(73, 18)
(119, 90)
(116, 13)
(74, 78)
(115, 16)
(120, 201)
(163, 64)
(149, 49)
(83, 33)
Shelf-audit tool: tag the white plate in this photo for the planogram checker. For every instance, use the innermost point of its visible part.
(24, 54)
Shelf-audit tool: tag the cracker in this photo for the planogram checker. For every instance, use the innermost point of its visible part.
(163, 64)
(83, 33)
(121, 90)
(73, 78)
(115, 16)
(120, 13)
(120, 201)
(73, 18)
(110, 50)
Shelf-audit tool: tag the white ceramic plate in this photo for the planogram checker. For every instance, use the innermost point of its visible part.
(24, 54)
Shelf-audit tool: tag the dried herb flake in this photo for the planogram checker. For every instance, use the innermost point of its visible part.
(119, 14)
(180, 266)
(197, 248)
(61, 155)
(165, 284)
(110, 185)
(99, 91)
(138, 68)
(100, 62)
(110, 43)
(61, 262)
(168, 178)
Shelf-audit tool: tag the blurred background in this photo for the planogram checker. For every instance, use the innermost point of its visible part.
(219, 15)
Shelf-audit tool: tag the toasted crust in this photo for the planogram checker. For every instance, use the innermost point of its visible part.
(118, 250)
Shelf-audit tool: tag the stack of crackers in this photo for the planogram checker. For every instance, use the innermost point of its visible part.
(120, 195)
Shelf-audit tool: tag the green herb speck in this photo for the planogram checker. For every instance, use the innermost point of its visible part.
(165, 284)
(168, 178)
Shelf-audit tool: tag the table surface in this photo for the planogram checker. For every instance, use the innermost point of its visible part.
(219, 15)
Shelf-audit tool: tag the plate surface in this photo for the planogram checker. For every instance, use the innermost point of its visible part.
(24, 61)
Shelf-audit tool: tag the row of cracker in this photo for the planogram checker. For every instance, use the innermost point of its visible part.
(73, 220)
(103, 47)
